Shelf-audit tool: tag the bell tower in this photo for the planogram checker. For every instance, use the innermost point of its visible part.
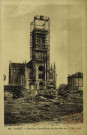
(40, 50)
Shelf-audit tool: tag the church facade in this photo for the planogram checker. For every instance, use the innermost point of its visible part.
(37, 73)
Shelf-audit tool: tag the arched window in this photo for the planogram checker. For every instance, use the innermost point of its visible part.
(41, 83)
(40, 76)
(51, 76)
(22, 80)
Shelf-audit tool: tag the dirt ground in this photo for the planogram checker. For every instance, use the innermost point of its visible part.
(26, 111)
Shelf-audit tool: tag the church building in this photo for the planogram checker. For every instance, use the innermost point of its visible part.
(36, 74)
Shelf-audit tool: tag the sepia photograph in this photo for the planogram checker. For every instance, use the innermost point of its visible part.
(43, 58)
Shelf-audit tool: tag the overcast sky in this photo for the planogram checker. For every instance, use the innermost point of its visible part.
(65, 36)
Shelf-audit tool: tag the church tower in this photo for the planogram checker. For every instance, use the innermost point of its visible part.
(37, 73)
(40, 51)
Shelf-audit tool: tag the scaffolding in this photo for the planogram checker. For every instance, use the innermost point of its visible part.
(40, 41)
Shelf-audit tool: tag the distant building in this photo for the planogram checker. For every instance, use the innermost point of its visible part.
(37, 73)
(75, 81)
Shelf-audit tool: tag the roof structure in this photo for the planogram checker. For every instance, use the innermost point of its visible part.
(16, 65)
(76, 75)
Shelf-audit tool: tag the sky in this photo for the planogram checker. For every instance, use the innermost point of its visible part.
(66, 48)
